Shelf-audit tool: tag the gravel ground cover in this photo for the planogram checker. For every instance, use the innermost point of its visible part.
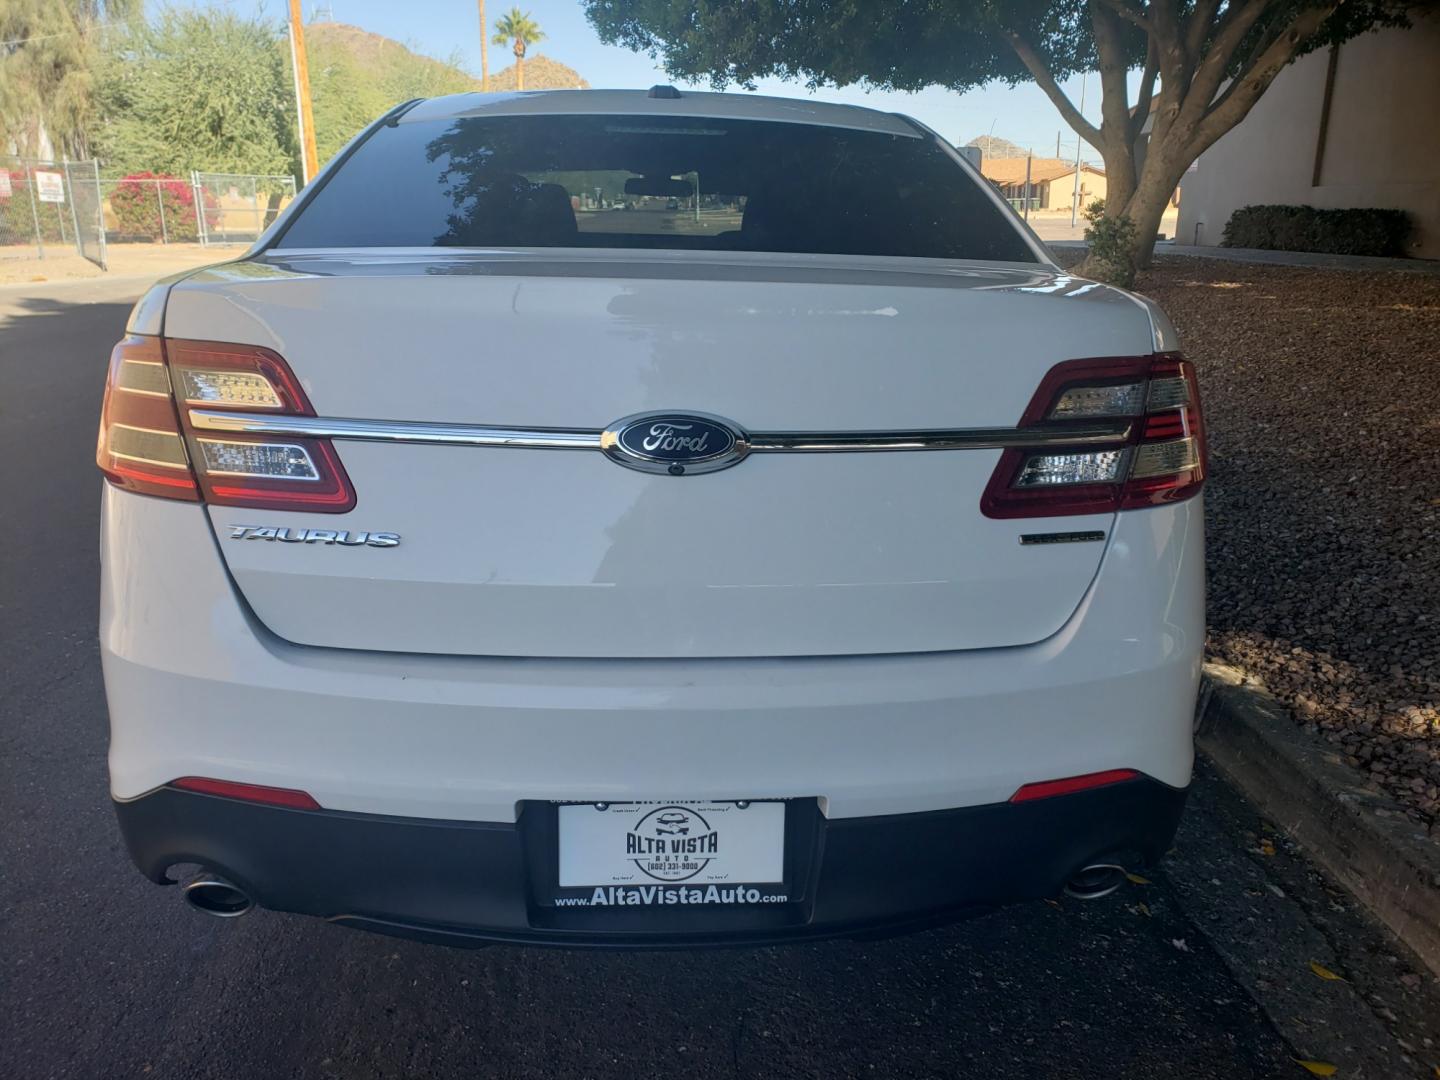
(1322, 396)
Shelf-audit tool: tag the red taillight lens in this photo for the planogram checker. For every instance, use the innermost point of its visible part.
(230, 789)
(150, 377)
(140, 447)
(1170, 456)
(1162, 459)
(1046, 789)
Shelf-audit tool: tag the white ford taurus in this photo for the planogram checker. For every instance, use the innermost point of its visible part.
(648, 518)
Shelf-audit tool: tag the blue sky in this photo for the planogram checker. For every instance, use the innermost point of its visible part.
(441, 27)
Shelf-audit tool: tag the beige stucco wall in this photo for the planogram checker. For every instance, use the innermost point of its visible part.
(1062, 189)
(1382, 149)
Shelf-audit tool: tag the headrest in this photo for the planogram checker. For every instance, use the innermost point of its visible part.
(510, 209)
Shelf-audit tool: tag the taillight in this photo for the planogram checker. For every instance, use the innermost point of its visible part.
(140, 447)
(147, 443)
(1158, 454)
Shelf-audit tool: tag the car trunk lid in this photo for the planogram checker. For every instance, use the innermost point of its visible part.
(509, 551)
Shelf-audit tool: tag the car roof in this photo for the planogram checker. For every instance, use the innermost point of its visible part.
(693, 103)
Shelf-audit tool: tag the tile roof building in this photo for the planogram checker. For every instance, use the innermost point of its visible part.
(1052, 181)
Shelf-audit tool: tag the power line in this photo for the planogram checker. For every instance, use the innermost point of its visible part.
(60, 33)
(34, 37)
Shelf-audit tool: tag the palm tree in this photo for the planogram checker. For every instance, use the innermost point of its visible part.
(521, 31)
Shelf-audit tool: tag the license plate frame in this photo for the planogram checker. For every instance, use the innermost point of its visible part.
(620, 904)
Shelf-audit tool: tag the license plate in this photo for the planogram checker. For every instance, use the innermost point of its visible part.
(672, 843)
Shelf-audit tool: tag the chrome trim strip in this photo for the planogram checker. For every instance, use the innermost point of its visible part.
(401, 431)
(813, 442)
(803, 442)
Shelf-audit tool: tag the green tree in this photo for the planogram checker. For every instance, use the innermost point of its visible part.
(201, 89)
(47, 70)
(413, 76)
(1203, 63)
(343, 100)
(349, 89)
(520, 31)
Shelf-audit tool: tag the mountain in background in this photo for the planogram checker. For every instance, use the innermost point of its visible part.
(356, 76)
(541, 73)
(992, 146)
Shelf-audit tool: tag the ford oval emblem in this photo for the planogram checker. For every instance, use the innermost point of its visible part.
(677, 443)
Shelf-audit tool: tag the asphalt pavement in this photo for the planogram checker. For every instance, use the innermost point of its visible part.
(1205, 967)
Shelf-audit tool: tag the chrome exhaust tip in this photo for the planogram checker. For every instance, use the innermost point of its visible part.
(218, 897)
(1095, 881)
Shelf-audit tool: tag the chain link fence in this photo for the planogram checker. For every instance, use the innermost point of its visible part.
(147, 209)
(49, 208)
(238, 208)
(54, 204)
(87, 210)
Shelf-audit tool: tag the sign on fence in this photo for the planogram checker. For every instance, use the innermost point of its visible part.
(50, 186)
(5, 190)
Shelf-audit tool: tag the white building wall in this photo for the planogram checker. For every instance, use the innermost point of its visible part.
(1382, 148)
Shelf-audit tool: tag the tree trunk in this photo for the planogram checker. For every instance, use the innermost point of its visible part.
(1164, 165)
(272, 211)
(1119, 158)
(519, 68)
(1192, 58)
(1146, 209)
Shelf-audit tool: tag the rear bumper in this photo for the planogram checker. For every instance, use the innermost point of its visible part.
(464, 882)
(196, 687)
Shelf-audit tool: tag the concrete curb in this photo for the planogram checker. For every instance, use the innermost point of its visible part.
(1363, 839)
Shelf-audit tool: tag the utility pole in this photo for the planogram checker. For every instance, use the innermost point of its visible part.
(484, 55)
(1029, 157)
(1075, 199)
(300, 67)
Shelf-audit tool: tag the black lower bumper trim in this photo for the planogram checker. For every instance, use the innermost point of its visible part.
(470, 882)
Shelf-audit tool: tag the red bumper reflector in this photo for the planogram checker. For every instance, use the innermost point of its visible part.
(1046, 789)
(275, 796)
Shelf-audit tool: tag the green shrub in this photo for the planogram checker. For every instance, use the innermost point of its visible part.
(1112, 246)
(1331, 232)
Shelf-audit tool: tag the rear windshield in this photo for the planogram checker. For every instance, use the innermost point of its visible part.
(643, 182)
